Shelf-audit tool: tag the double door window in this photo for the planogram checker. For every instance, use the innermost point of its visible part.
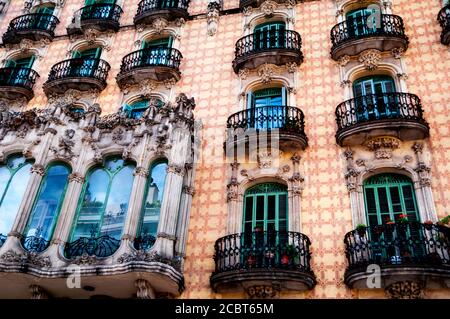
(19, 71)
(85, 63)
(362, 22)
(266, 108)
(373, 99)
(157, 52)
(98, 9)
(42, 18)
(269, 36)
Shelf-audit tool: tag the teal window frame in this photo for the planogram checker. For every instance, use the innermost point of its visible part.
(86, 62)
(12, 174)
(263, 103)
(156, 51)
(50, 230)
(97, 232)
(137, 108)
(269, 35)
(357, 22)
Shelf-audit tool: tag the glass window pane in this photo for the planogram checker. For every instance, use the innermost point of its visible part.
(260, 208)
(382, 200)
(370, 201)
(92, 204)
(13, 198)
(152, 205)
(271, 207)
(395, 199)
(4, 178)
(116, 208)
(282, 206)
(48, 203)
(249, 208)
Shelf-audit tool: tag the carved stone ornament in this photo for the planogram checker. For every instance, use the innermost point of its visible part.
(30, 258)
(247, 11)
(212, 18)
(144, 289)
(268, 7)
(266, 72)
(85, 260)
(344, 60)
(291, 67)
(76, 177)
(383, 146)
(404, 290)
(142, 255)
(37, 292)
(267, 157)
(159, 25)
(397, 53)
(370, 58)
(243, 73)
(263, 291)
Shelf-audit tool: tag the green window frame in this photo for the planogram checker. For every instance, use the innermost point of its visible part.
(85, 63)
(111, 183)
(151, 206)
(357, 22)
(47, 205)
(269, 35)
(14, 177)
(156, 51)
(266, 205)
(136, 109)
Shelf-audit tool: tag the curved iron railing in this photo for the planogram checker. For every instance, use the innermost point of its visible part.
(373, 107)
(102, 246)
(286, 118)
(35, 244)
(34, 21)
(263, 250)
(444, 20)
(144, 242)
(80, 68)
(267, 41)
(390, 25)
(151, 5)
(410, 243)
(151, 57)
(100, 11)
(23, 77)
(2, 239)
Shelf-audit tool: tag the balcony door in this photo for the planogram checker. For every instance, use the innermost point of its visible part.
(157, 52)
(100, 9)
(43, 17)
(20, 71)
(362, 22)
(265, 108)
(269, 35)
(372, 98)
(85, 62)
(387, 197)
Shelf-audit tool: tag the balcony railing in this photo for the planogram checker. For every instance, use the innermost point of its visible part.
(2, 239)
(167, 57)
(390, 26)
(144, 242)
(35, 244)
(268, 41)
(34, 21)
(80, 68)
(285, 118)
(146, 6)
(263, 250)
(382, 106)
(409, 243)
(100, 11)
(102, 246)
(444, 21)
(21, 77)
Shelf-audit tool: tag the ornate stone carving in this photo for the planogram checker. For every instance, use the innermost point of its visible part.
(144, 290)
(424, 174)
(291, 67)
(141, 255)
(397, 52)
(38, 169)
(296, 158)
(159, 25)
(190, 190)
(76, 177)
(65, 146)
(417, 147)
(370, 58)
(30, 258)
(247, 11)
(268, 7)
(141, 171)
(243, 74)
(37, 292)
(344, 60)
(176, 169)
(383, 146)
(404, 290)
(345, 83)
(263, 291)
(266, 157)
(85, 260)
(290, 3)
(212, 17)
(265, 73)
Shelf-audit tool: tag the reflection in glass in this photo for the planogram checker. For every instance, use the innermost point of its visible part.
(104, 203)
(14, 178)
(153, 200)
(48, 203)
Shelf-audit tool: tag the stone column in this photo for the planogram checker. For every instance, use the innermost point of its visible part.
(233, 199)
(295, 191)
(144, 289)
(355, 190)
(169, 211)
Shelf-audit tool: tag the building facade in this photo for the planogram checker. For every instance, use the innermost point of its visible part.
(224, 149)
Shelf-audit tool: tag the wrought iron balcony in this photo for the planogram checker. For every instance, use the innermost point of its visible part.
(286, 124)
(444, 21)
(274, 47)
(35, 244)
(2, 239)
(81, 74)
(159, 64)
(353, 39)
(397, 114)
(17, 82)
(149, 10)
(102, 246)
(34, 26)
(263, 255)
(100, 16)
(409, 249)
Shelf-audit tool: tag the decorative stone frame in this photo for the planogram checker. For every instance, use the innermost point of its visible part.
(344, 6)
(414, 164)
(32, 4)
(103, 41)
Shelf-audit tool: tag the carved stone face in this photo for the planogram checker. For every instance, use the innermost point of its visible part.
(69, 133)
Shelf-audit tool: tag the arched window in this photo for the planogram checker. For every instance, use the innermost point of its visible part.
(269, 35)
(152, 205)
(20, 70)
(136, 109)
(85, 62)
(387, 196)
(14, 176)
(46, 208)
(374, 97)
(104, 201)
(44, 16)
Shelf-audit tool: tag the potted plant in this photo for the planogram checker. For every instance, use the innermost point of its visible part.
(428, 224)
(445, 222)
(288, 254)
(402, 219)
(361, 229)
(251, 260)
